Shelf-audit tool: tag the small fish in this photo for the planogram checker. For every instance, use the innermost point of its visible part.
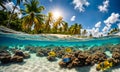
(105, 65)
(66, 60)
(52, 53)
(68, 50)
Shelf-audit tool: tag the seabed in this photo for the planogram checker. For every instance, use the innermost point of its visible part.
(38, 59)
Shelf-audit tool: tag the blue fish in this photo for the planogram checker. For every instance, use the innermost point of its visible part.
(66, 60)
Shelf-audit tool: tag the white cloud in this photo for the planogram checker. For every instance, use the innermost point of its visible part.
(118, 25)
(80, 4)
(94, 31)
(104, 7)
(9, 6)
(73, 18)
(109, 21)
(106, 29)
(112, 19)
(98, 24)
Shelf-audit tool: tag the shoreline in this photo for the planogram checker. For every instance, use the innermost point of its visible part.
(60, 36)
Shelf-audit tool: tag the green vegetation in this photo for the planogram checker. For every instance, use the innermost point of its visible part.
(114, 30)
(34, 22)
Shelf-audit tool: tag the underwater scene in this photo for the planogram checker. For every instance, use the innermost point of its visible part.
(59, 35)
(23, 52)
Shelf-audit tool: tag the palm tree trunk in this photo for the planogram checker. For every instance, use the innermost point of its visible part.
(10, 18)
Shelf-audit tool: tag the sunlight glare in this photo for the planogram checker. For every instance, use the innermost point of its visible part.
(57, 14)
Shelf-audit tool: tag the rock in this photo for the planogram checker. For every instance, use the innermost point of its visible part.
(51, 58)
(116, 58)
(70, 65)
(76, 62)
(62, 64)
(59, 54)
(26, 55)
(5, 56)
(17, 58)
(116, 55)
(98, 57)
(39, 54)
(19, 53)
(5, 59)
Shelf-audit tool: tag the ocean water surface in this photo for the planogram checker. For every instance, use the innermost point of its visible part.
(38, 40)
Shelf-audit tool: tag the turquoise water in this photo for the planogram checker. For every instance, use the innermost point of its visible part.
(37, 40)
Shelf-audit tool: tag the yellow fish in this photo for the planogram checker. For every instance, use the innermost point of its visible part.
(68, 50)
(105, 65)
(52, 53)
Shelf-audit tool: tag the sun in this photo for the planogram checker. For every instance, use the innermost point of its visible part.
(57, 13)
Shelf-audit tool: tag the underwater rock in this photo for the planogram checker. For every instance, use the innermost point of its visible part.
(116, 58)
(82, 58)
(75, 62)
(45, 52)
(116, 55)
(59, 54)
(27, 48)
(16, 58)
(89, 60)
(19, 53)
(116, 50)
(62, 64)
(26, 55)
(5, 59)
(5, 56)
(39, 54)
(99, 57)
(32, 50)
(51, 58)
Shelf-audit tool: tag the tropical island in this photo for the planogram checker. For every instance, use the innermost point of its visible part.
(34, 22)
(36, 39)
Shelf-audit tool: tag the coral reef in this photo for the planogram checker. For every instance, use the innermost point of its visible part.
(16, 56)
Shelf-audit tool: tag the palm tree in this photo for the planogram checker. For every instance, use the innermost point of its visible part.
(33, 17)
(2, 2)
(65, 27)
(17, 3)
(79, 27)
(48, 21)
(57, 23)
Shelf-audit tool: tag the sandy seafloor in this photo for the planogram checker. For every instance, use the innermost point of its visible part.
(41, 64)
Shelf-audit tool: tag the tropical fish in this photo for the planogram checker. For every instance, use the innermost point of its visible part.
(66, 60)
(105, 65)
(52, 53)
(68, 50)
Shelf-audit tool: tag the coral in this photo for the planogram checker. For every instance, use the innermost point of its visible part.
(39, 54)
(16, 58)
(51, 58)
(19, 53)
(5, 56)
(26, 55)
(116, 58)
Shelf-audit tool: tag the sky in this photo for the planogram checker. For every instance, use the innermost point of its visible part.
(97, 16)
